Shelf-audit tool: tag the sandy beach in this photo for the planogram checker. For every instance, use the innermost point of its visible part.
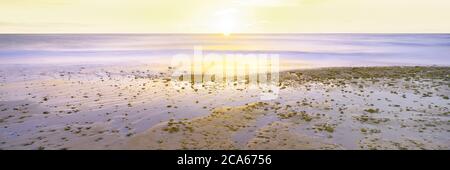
(135, 107)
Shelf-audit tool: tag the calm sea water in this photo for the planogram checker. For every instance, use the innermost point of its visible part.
(315, 50)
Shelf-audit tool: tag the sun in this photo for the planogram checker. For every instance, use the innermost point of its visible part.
(226, 22)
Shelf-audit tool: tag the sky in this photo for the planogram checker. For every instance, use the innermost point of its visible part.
(224, 16)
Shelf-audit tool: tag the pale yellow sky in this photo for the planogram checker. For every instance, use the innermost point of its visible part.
(224, 16)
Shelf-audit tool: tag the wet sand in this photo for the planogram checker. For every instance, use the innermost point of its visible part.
(135, 107)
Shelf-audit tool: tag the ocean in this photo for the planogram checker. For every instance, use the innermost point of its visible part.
(306, 50)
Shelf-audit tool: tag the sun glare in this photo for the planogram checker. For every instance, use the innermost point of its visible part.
(226, 22)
